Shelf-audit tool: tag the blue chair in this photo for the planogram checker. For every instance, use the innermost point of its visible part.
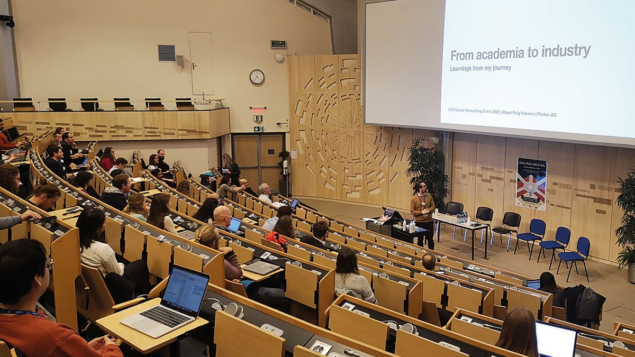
(584, 246)
(537, 228)
(511, 222)
(563, 235)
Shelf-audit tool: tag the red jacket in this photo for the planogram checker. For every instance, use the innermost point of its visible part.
(41, 337)
(107, 163)
(5, 144)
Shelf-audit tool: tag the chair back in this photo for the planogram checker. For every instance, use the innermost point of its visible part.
(100, 301)
(154, 104)
(454, 208)
(90, 104)
(485, 214)
(563, 235)
(584, 246)
(58, 104)
(537, 227)
(122, 103)
(184, 104)
(511, 219)
(23, 104)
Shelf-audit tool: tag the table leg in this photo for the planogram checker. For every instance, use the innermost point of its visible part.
(486, 235)
(473, 243)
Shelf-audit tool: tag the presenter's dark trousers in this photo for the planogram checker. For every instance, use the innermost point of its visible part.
(428, 235)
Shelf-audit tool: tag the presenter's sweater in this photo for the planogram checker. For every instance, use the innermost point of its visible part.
(417, 207)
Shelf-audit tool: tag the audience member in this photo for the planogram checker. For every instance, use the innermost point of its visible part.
(57, 140)
(138, 207)
(159, 215)
(519, 333)
(281, 232)
(244, 184)
(72, 155)
(159, 175)
(320, 232)
(120, 164)
(108, 158)
(225, 187)
(222, 217)
(347, 278)
(264, 190)
(60, 130)
(117, 172)
(45, 196)
(429, 260)
(165, 168)
(209, 236)
(271, 222)
(24, 278)
(232, 168)
(115, 195)
(153, 163)
(184, 187)
(205, 214)
(124, 281)
(5, 144)
(10, 221)
(10, 178)
(55, 155)
(548, 284)
(84, 181)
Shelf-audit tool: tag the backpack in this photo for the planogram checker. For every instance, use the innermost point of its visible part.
(276, 238)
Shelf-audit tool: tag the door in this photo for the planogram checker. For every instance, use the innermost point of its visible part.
(257, 155)
(201, 63)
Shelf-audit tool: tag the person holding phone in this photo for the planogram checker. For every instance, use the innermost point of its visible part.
(231, 168)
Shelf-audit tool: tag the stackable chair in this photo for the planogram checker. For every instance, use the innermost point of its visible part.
(23, 105)
(452, 209)
(58, 105)
(563, 235)
(484, 215)
(511, 222)
(583, 247)
(123, 104)
(537, 228)
(90, 105)
(154, 104)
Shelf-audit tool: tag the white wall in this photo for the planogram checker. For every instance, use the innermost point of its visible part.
(78, 48)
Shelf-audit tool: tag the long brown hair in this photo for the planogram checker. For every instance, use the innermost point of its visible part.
(284, 227)
(108, 154)
(135, 204)
(158, 210)
(346, 262)
(184, 187)
(8, 173)
(519, 333)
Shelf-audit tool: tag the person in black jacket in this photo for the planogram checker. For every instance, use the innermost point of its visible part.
(232, 168)
(320, 231)
(164, 166)
(55, 154)
(72, 154)
(115, 196)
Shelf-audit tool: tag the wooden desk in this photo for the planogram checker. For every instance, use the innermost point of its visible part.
(150, 193)
(257, 277)
(137, 340)
(70, 219)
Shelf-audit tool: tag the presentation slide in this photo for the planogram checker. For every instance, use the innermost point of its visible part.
(540, 69)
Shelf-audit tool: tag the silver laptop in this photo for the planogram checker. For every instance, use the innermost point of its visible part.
(180, 304)
(262, 268)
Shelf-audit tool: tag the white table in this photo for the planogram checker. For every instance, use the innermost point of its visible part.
(452, 220)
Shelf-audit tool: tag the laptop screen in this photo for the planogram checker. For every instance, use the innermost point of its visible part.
(294, 204)
(185, 290)
(533, 284)
(86, 160)
(555, 341)
(234, 225)
(12, 133)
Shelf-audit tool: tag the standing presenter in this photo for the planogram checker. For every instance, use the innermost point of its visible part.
(421, 208)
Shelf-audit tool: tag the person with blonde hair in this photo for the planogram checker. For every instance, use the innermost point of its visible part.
(138, 207)
(519, 333)
(209, 236)
(232, 168)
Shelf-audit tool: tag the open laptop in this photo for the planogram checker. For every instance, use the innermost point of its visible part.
(294, 203)
(533, 284)
(234, 226)
(555, 341)
(12, 133)
(179, 306)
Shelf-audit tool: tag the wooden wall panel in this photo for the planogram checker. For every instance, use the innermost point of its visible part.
(376, 165)
(624, 162)
(399, 183)
(351, 130)
(464, 171)
(516, 148)
(192, 124)
(490, 166)
(327, 125)
(124, 126)
(594, 168)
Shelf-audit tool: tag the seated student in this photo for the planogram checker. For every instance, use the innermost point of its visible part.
(244, 184)
(124, 281)
(265, 192)
(5, 144)
(72, 155)
(519, 333)
(24, 278)
(320, 232)
(205, 214)
(429, 260)
(163, 166)
(208, 236)
(115, 195)
(281, 232)
(45, 197)
(10, 221)
(222, 217)
(53, 162)
(159, 215)
(271, 222)
(84, 181)
(184, 187)
(108, 159)
(138, 207)
(548, 284)
(57, 140)
(159, 175)
(60, 130)
(120, 164)
(225, 186)
(153, 163)
(10, 178)
(347, 278)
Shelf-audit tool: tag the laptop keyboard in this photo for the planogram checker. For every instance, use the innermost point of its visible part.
(164, 316)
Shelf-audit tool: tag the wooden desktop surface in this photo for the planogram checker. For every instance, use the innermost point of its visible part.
(137, 340)
(70, 219)
(150, 193)
(257, 277)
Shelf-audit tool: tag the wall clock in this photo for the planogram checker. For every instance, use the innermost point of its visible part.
(257, 76)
